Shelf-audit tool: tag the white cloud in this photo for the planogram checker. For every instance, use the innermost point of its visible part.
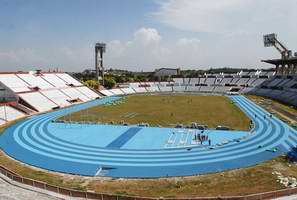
(63, 58)
(227, 16)
(147, 36)
(21, 57)
(189, 41)
(147, 51)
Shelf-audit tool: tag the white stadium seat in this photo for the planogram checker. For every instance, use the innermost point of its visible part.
(9, 113)
(193, 88)
(140, 89)
(35, 81)
(88, 92)
(73, 93)
(128, 90)
(14, 83)
(116, 91)
(38, 101)
(57, 97)
(165, 88)
(68, 79)
(106, 93)
(54, 80)
(152, 89)
(2, 122)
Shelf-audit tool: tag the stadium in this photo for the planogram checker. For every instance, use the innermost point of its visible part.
(146, 130)
(225, 133)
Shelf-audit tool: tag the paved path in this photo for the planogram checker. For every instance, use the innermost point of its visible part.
(11, 192)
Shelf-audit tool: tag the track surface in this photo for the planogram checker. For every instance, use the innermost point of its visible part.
(33, 142)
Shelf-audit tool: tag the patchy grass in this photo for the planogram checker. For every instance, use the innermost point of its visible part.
(167, 111)
(269, 106)
(41, 175)
(236, 182)
(285, 107)
(252, 180)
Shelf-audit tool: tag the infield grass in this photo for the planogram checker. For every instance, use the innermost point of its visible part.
(167, 111)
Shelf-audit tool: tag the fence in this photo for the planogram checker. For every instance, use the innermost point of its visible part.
(93, 195)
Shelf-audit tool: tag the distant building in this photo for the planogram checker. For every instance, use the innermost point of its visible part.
(162, 72)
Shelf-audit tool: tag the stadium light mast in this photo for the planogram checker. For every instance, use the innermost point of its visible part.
(271, 40)
(287, 65)
(100, 48)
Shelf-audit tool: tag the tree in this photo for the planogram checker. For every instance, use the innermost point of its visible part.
(109, 82)
(91, 83)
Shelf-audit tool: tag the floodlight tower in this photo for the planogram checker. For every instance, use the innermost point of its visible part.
(99, 50)
(271, 40)
(287, 64)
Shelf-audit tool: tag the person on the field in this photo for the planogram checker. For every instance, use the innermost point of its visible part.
(209, 142)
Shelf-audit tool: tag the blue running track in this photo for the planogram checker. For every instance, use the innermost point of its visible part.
(133, 152)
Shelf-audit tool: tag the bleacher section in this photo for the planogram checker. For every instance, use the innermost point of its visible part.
(2, 122)
(74, 94)
(40, 92)
(54, 80)
(218, 83)
(88, 92)
(46, 91)
(153, 89)
(8, 113)
(244, 82)
(280, 88)
(139, 89)
(117, 91)
(38, 101)
(128, 90)
(106, 93)
(57, 97)
(179, 87)
(69, 80)
(35, 81)
(14, 83)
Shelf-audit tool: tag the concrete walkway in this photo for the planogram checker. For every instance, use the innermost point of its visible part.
(11, 190)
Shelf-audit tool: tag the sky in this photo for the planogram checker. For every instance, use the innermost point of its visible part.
(142, 35)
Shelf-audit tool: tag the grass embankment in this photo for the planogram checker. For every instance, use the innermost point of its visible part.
(270, 106)
(236, 182)
(167, 111)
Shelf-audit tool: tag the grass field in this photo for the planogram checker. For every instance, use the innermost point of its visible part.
(167, 111)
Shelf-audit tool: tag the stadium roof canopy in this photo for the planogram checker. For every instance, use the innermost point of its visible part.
(289, 61)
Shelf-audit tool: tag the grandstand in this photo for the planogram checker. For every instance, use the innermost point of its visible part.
(281, 88)
(211, 83)
(262, 83)
(26, 93)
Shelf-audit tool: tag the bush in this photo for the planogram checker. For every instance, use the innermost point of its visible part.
(109, 82)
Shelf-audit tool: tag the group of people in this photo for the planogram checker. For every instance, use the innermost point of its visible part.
(265, 116)
(202, 138)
